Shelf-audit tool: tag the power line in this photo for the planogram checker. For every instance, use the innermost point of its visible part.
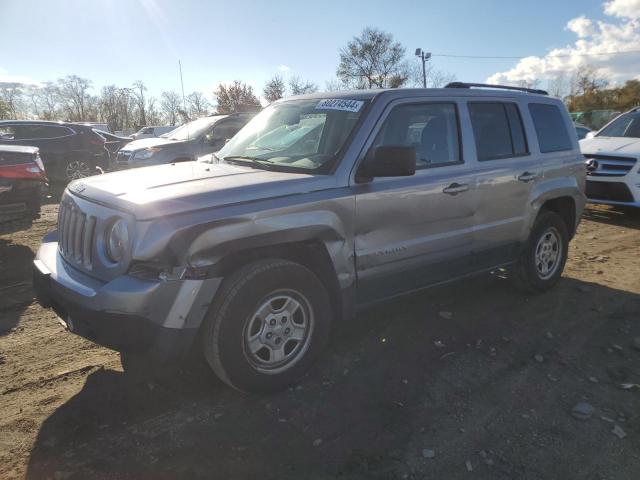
(543, 56)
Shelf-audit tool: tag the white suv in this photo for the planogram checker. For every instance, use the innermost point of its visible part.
(613, 169)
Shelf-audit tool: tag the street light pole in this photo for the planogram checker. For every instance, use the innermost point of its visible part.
(424, 56)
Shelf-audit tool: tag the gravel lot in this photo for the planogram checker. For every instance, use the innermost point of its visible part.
(471, 376)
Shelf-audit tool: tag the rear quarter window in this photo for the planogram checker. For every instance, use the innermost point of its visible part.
(551, 128)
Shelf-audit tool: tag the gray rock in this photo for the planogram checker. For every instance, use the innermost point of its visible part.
(539, 358)
(583, 411)
(317, 442)
(593, 379)
(428, 453)
(446, 315)
(635, 343)
(469, 466)
(618, 432)
(549, 335)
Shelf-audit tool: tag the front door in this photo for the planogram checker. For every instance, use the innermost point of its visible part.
(418, 230)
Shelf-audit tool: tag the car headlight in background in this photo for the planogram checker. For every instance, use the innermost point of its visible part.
(117, 240)
(146, 153)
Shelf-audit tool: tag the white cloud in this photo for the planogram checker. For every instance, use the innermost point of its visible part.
(6, 78)
(284, 68)
(581, 26)
(595, 40)
(623, 8)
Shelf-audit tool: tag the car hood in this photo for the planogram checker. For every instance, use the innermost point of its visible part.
(148, 142)
(152, 192)
(614, 145)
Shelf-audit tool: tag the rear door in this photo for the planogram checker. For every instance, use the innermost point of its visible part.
(507, 171)
(415, 231)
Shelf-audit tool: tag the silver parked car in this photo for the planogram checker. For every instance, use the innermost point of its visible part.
(188, 142)
(320, 205)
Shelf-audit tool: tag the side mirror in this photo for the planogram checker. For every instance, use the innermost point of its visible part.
(590, 135)
(388, 161)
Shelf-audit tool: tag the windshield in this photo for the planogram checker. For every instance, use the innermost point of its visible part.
(193, 129)
(626, 125)
(296, 135)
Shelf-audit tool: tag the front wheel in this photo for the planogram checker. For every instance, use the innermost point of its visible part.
(76, 169)
(270, 321)
(541, 263)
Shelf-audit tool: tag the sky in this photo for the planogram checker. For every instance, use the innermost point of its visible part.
(217, 41)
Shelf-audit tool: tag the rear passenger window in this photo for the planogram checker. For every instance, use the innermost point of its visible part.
(39, 132)
(7, 132)
(498, 131)
(550, 128)
(432, 128)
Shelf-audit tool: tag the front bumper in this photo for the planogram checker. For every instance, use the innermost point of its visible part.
(126, 314)
(624, 191)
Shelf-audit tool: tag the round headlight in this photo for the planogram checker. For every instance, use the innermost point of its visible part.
(117, 240)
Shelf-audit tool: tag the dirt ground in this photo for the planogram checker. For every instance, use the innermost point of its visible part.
(474, 375)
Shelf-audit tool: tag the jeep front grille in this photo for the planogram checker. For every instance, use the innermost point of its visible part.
(608, 165)
(75, 235)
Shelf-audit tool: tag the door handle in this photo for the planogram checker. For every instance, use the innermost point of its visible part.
(455, 188)
(527, 177)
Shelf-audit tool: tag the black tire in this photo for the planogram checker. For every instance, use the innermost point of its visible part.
(527, 272)
(77, 168)
(233, 316)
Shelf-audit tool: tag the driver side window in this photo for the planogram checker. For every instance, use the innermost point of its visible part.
(431, 128)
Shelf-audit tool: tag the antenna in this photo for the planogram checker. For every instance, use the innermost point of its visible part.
(184, 103)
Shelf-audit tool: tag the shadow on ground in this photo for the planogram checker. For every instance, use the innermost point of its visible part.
(623, 217)
(15, 283)
(450, 369)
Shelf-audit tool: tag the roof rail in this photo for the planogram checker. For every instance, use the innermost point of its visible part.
(501, 87)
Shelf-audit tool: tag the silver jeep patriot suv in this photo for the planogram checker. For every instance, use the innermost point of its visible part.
(320, 205)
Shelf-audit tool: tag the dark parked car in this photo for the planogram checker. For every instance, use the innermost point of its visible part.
(113, 143)
(188, 142)
(68, 150)
(22, 179)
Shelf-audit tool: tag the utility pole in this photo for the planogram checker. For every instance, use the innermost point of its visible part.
(424, 56)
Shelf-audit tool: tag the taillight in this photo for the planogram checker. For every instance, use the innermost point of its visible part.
(38, 161)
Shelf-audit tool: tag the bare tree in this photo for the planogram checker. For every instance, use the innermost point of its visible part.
(46, 101)
(117, 107)
(435, 78)
(75, 98)
(558, 86)
(197, 104)
(237, 97)
(373, 60)
(274, 89)
(585, 80)
(170, 104)
(334, 85)
(298, 86)
(153, 115)
(138, 92)
(12, 97)
(4, 110)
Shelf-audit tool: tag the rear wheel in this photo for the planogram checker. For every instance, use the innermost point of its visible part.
(269, 322)
(541, 263)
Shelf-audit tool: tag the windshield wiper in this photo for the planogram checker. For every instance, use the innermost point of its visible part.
(247, 159)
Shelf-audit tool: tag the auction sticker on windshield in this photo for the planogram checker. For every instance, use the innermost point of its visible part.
(340, 104)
